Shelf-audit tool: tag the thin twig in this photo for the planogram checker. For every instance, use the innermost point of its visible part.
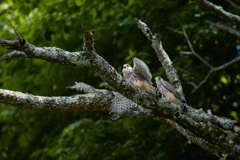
(185, 52)
(193, 51)
(20, 38)
(227, 64)
(212, 69)
(193, 84)
(225, 28)
(203, 81)
(233, 4)
(174, 30)
(83, 28)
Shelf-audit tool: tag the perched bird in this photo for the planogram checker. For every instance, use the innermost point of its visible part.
(167, 91)
(139, 76)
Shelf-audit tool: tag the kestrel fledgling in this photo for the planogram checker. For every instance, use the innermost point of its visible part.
(167, 91)
(139, 76)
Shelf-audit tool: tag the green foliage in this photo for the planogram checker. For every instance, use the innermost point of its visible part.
(92, 135)
(224, 157)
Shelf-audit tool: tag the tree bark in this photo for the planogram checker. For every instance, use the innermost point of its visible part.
(205, 130)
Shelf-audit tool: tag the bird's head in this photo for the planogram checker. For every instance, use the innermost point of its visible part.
(158, 78)
(127, 67)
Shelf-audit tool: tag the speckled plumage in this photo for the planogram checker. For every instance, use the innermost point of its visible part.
(139, 76)
(119, 106)
(167, 91)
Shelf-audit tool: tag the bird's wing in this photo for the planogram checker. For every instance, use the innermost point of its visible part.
(141, 70)
(170, 88)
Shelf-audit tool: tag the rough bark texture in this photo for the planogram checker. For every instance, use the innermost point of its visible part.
(196, 125)
(77, 103)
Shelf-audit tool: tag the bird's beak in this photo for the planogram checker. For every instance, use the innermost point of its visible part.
(156, 79)
(124, 67)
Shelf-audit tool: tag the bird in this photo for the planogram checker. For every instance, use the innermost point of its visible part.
(139, 76)
(168, 91)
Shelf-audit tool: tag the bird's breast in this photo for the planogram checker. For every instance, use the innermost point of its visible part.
(143, 85)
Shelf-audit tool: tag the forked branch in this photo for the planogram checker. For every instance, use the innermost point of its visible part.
(145, 105)
(212, 69)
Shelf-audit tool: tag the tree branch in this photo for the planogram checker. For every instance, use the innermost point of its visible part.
(225, 28)
(99, 101)
(212, 69)
(21, 40)
(233, 4)
(191, 136)
(193, 51)
(219, 11)
(87, 58)
(14, 54)
(196, 122)
(118, 111)
(162, 56)
(174, 30)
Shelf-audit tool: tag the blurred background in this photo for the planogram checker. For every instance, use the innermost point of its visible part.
(93, 135)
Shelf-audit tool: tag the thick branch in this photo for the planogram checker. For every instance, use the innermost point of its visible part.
(92, 60)
(192, 121)
(218, 10)
(51, 54)
(98, 101)
(11, 44)
(162, 55)
(223, 122)
(191, 136)
(189, 127)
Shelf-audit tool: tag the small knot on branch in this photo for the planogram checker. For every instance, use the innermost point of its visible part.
(88, 41)
(81, 87)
